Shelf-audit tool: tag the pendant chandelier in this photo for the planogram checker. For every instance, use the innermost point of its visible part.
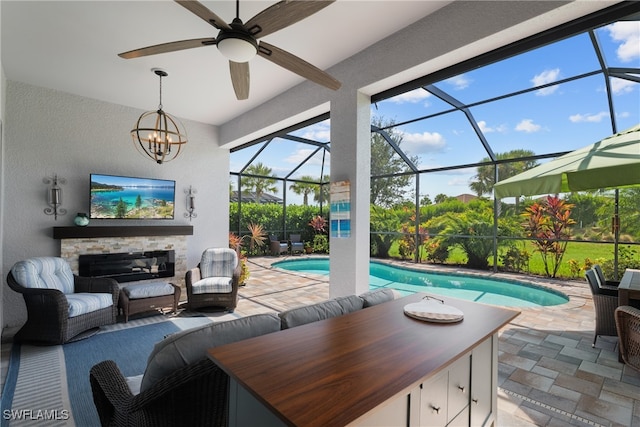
(157, 134)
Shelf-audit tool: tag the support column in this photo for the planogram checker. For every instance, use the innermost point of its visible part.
(351, 160)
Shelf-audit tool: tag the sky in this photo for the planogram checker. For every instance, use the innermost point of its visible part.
(542, 119)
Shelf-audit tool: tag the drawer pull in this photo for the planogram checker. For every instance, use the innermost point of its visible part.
(461, 388)
(475, 401)
(435, 409)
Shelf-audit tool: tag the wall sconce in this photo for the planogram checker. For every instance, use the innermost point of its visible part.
(191, 203)
(54, 196)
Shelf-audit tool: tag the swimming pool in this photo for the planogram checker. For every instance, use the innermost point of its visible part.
(507, 293)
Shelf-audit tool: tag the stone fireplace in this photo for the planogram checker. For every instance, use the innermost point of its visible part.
(75, 241)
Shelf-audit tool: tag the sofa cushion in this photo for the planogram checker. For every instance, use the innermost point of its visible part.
(377, 296)
(186, 347)
(44, 273)
(148, 290)
(319, 311)
(218, 262)
(82, 303)
(213, 285)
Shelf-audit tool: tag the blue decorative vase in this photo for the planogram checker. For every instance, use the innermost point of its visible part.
(81, 219)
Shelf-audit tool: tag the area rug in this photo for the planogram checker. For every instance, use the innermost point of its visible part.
(50, 385)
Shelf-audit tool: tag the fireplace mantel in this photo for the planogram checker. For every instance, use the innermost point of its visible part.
(124, 231)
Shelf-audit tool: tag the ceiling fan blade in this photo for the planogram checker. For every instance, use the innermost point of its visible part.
(283, 14)
(297, 65)
(240, 78)
(201, 11)
(167, 47)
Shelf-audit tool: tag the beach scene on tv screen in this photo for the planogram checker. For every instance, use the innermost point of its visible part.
(119, 197)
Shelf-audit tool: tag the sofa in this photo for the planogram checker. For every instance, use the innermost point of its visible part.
(181, 386)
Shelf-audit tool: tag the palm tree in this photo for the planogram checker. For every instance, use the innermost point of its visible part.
(259, 183)
(321, 192)
(485, 177)
(304, 188)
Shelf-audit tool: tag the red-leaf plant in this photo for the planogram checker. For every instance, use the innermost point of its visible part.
(549, 224)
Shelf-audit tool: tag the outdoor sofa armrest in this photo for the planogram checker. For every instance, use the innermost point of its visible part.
(199, 389)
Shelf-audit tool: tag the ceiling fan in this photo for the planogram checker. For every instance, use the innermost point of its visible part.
(239, 43)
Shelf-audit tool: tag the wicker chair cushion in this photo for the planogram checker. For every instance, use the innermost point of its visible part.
(212, 285)
(320, 311)
(44, 273)
(378, 297)
(186, 347)
(218, 262)
(148, 290)
(82, 303)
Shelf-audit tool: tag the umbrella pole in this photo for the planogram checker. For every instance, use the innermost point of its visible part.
(616, 236)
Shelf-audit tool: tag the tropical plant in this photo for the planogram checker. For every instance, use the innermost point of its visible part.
(384, 222)
(257, 180)
(320, 243)
(256, 237)
(436, 251)
(471, 231)
(244, 270)
(548, 223)
(318, 223)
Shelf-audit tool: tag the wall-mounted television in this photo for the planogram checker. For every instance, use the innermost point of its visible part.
(125, 197)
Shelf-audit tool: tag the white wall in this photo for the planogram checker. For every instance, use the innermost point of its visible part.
(47, 132)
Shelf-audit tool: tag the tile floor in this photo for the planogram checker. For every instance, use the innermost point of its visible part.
(549, 375)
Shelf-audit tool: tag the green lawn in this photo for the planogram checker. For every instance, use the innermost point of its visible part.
(578, 251)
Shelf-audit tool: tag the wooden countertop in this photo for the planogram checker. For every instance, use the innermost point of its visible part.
(333, 371)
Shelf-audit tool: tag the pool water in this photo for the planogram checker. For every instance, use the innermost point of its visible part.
(508, 293)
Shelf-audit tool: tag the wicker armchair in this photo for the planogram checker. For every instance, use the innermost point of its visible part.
(215, 281)
(296, 243)
(605, 302)
(195, 395)
(601, 280)
(628, 325)
(61, 307)
(278, 246)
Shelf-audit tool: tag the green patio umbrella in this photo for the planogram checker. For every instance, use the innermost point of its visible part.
(611, 162)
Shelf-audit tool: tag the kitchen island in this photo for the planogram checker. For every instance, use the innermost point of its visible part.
(376, 366)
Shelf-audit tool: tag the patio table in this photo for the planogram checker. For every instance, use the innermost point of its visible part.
(629, 287)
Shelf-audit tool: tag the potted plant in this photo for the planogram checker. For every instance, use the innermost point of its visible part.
(308, 247)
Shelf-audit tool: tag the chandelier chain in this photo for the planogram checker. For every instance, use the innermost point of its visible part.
(160, 104)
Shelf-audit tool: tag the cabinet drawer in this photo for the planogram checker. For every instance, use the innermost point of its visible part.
(459, 386)
(433, 401)
(483, 387)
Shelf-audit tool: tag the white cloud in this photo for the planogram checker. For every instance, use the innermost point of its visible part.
(299, 155)
(627, 33)
(411, 97)
(621, 86)
(488, 129)
(459, 82)
(547, 76)
(589, 118)
(528, 126)
(425, 142)
(318, 132)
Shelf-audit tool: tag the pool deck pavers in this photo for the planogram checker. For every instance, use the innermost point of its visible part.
(548, 373)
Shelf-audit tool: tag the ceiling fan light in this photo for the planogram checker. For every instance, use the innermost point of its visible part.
(237, 47)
